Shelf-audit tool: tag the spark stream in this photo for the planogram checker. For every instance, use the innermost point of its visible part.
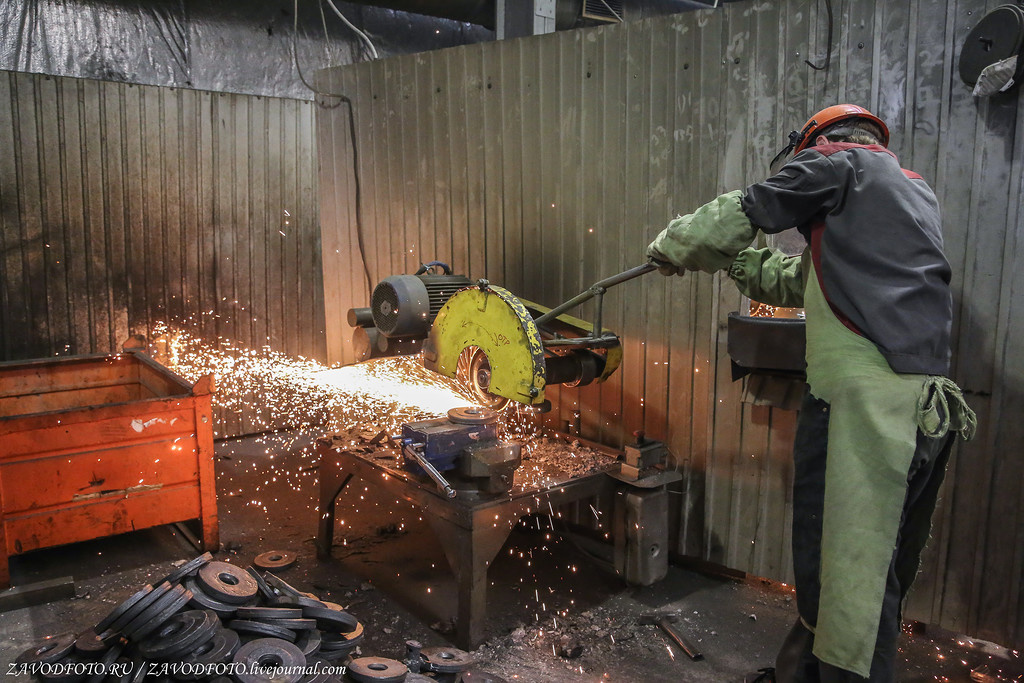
(274, 391)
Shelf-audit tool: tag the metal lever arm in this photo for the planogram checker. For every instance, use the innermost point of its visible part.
(597, 289)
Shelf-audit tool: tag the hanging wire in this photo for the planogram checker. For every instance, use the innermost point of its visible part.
(344, 99)
(362, 36)
(828, 55)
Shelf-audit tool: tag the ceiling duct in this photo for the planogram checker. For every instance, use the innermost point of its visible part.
(479, 12)
(603, 10)
(568, 13)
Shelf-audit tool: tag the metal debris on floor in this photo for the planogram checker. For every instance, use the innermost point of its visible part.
(214, 621)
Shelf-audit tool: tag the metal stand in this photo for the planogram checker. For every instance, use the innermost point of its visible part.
(471, 530)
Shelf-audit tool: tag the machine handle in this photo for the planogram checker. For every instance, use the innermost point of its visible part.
(596, 289)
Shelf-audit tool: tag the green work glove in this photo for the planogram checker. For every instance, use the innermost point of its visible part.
(707, 239)
(771, 277)
(664, 267)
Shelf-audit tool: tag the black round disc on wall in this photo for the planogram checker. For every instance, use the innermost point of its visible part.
(998, 36)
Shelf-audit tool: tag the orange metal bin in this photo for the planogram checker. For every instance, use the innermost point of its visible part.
(92, 446)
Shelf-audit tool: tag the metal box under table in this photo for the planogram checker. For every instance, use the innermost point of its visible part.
(92, 446)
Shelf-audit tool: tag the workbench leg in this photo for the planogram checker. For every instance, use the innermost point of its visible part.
(469, 553)
(206, 455)
(5, 571)
(332, 481)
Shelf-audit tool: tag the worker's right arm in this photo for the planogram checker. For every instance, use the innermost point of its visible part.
(807, 188)
(771, 277)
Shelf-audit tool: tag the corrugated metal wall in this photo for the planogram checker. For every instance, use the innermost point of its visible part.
(124, 205)
(546, 163)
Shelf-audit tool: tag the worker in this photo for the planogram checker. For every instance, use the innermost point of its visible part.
(877, 422)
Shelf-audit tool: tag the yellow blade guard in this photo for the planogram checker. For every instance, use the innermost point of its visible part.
(494, 320)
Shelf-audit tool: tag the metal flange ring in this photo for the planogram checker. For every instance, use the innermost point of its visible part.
(266, 591)
(200, 600)
(262, 630)
(274, 560)
(319, 671)
(178, 595)
(118, 611)
(157, 600)
(90, 644)
(261, 613)
(309, 642)
(138, 672)
(377, 670)
(338, 645)
(300, 601)
(337, 621)
(472, 415)
(105, 664)
(217, 650)
(260, 659)
(227, 583)
(341, 641)
(187, 569)
(447, 660)
(48, 651)
(180, 634)
(293, 624)
(140, 607)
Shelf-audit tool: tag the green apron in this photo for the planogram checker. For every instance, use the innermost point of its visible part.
(865, 479)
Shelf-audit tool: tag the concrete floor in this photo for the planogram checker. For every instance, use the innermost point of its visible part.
(553, 615)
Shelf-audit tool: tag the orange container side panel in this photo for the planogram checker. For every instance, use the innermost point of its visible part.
(47, 482)
(72, 398)
(51, 433)
(105, 517)
(97, 445)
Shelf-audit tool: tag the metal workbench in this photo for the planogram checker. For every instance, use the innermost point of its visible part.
(470, 528)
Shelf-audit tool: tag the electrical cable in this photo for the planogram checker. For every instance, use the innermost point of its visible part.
(828, 55)
(373, 50)
(355, 147)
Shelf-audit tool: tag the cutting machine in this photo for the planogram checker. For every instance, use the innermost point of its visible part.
(502, 347)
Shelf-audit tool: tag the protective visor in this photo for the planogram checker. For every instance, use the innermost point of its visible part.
(795, 138)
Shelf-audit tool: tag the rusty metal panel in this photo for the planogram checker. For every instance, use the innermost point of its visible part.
(112, 443)
(616, 130)
(125, 205)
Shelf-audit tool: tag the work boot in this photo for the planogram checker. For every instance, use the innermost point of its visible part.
(765, 675)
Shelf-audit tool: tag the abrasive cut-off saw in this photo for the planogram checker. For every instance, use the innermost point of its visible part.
(500, 346)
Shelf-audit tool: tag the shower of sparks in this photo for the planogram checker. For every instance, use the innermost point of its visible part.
(275, 390)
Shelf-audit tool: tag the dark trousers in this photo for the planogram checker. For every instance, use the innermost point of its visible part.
(796, 663)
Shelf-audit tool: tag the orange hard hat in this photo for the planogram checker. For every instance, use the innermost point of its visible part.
(799, 140)
(830, 116)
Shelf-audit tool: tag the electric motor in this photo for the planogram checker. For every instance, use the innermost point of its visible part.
(406, 305)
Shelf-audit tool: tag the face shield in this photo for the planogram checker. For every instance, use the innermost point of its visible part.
(795, 138)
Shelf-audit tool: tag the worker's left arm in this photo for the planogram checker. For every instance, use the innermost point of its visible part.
(770, 277)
